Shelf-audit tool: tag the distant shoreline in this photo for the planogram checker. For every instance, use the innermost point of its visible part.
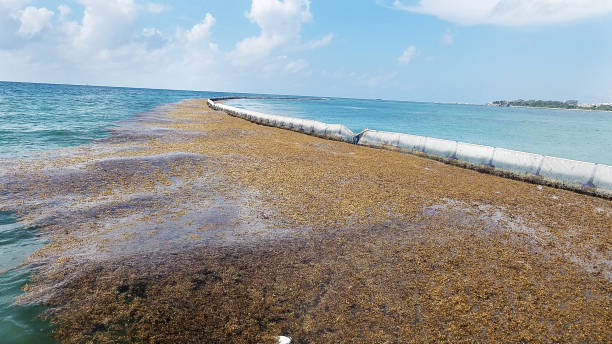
(550, 108)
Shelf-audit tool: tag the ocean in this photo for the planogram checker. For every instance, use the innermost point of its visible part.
(45, 116)
(37, 118)
(570, 134)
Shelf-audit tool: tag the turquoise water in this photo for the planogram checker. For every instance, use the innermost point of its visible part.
(18, 324)
(38, 117)
(47, 116)
(578, 135)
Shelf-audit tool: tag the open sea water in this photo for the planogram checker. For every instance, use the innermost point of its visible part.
(40, 117)
(571, 134)
(37, 117)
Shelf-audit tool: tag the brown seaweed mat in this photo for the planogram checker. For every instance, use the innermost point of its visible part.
(191, 226)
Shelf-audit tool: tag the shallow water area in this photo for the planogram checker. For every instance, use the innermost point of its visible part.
(18, 324)
(103, 201)
(121, 196)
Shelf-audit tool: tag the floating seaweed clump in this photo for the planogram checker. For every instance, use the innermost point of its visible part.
(188, 225)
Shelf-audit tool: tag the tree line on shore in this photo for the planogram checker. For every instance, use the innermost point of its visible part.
(552, 104)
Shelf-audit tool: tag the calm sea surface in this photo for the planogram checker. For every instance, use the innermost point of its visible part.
(39, 117)
(578, 135)
(44, 116)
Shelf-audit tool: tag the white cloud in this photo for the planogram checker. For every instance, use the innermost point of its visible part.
(448, 38)
(319, 43)
(101, 42)
(64, 11)
(408, 55)
(105, 24)
(280, 22)
(152, 38)
(13, 4)
(509, 12)
(33, 20)
(201, 31)
(107, 47)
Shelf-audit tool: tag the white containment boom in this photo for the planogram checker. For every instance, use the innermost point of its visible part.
(571, 174)
(520, 162)
(336, 132)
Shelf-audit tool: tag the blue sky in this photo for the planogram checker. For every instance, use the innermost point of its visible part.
(423, 50)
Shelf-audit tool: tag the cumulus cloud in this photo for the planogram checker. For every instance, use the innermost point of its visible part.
(508, 12)
(201, 31)
(105, 24)
(152, 38)
(408, 55)
(9, 25)
(104, 45)
(64, 11)
(280, 22)
(33, 20)
(13, 4)
(101, 42)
